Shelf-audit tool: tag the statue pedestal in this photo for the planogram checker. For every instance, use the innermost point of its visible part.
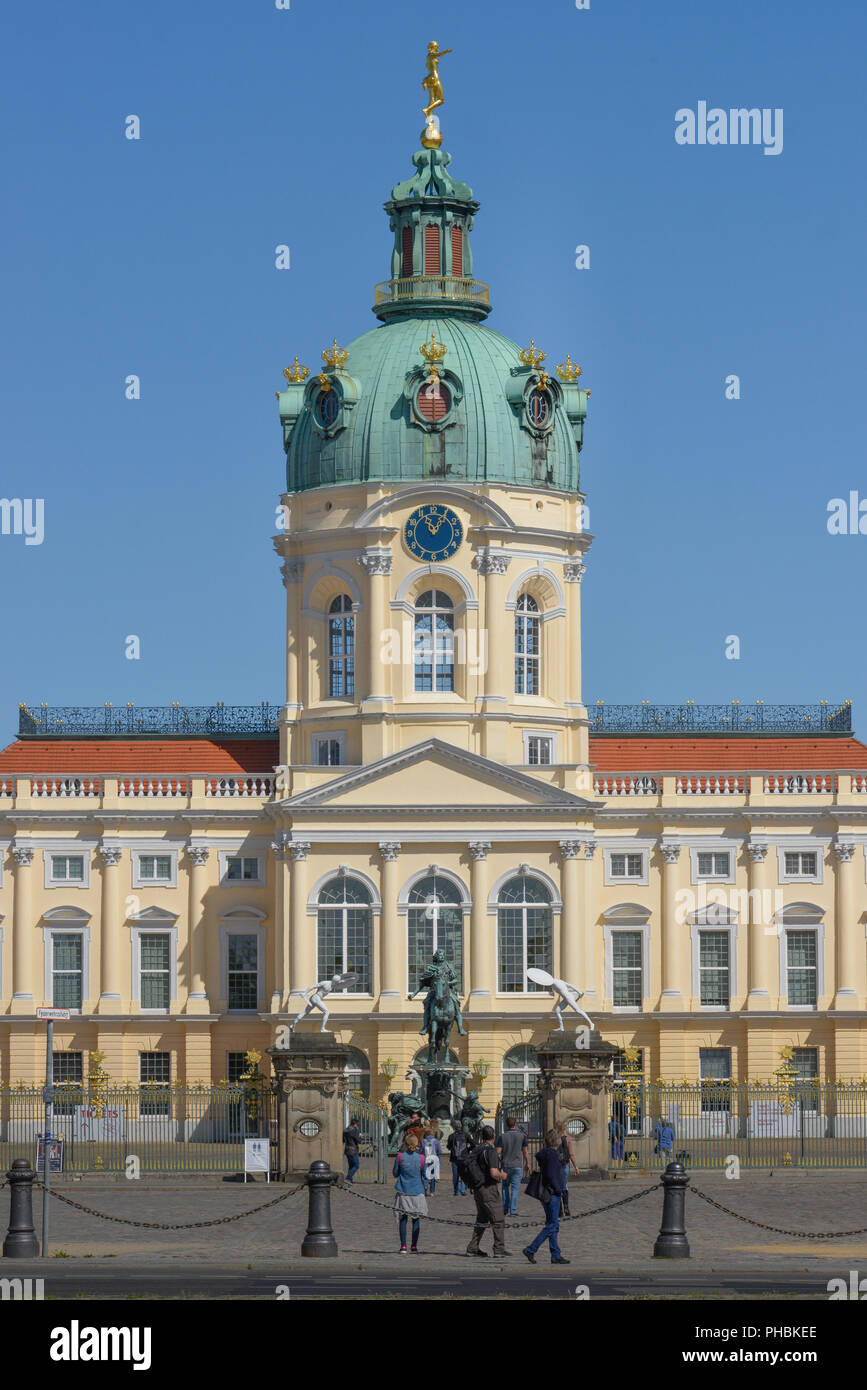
(439, 1082)
(309, 1085)
(575, 1083)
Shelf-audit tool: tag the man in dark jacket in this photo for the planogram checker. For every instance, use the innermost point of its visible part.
(351, 1142)
(456, 1145)
(548, 1159)
(489, 1203)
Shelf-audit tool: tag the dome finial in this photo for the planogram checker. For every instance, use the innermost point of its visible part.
(431, 136)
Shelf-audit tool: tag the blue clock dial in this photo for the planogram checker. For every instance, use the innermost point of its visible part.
(433, 532)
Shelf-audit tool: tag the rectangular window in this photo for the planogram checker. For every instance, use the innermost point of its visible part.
(236, 1065)
(155, 965)
(67, 868)
(713, 966)
(242, 868)
(805, 1062)
(800, 864)
(327, 751)
(157, 867)
(801, 966)
(713, 864)
(539, 750)
(68, 1074)
(67, 972)
(627, 865)
(626, 969)
(243, 982)
(715, 1070)
(155, 1073)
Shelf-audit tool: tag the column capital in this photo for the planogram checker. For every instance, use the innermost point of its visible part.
(574, 571)
(299, 849)
(390, 849)
(492, 561)
(756, 852)
(590, 847)
(844, 850)
(280, 845)
(110, 854)
(570, 848)
(22, 855)
(479, 849)
(291, 571)
(375, 561)
(198, 855)
(669, 852)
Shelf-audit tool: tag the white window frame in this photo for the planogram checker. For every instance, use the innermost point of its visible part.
(817, 926)
(611, 880)
(626, 917)
(801, 847)
(528, 734)
(713, 847)
(317, 739)
(170, 854)
(148, 923)
(49, 856)
(164, 1086)
(731, 930)
(224, 855)
(245, 922)
(66, 925)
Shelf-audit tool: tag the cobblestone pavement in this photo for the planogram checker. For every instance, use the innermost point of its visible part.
(621, 1239)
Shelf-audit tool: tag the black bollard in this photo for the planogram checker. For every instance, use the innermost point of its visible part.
(671, 1243)
(21, 1242)
(319, 1237)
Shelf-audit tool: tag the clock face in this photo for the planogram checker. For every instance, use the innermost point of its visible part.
(433, 532)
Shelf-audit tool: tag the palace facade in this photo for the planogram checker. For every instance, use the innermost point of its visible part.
(177, 878)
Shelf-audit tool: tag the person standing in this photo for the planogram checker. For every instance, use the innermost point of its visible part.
(551, 1168)
(416, 1127)
(489, 1206)
(457, 1145)
(567, 1161)
(664, 1140)
(351, 1146)
(512, 1148)
(432, 1150)
(616, 1133)
(409, 1198)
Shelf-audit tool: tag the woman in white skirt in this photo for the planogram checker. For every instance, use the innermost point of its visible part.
(409, 1198)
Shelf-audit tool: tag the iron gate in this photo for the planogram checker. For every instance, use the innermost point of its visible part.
(528, 1111)
(371, 1119)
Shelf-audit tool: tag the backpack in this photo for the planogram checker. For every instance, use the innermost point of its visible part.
(471, 1166)
(459, 1146)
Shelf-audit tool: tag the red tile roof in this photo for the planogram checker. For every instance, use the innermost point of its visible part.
(614, 755)
(178, 755)
(726, 754)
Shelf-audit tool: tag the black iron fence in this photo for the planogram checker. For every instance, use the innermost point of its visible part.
(735, 718)
(113, 721)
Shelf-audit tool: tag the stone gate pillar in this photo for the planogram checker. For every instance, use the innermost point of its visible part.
(309, 1086)
(575, 1083)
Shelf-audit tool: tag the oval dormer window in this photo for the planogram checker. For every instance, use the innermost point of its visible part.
(327, 407)
(539, 408)
(434, 400)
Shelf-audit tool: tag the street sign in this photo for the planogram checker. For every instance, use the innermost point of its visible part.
(61, 1015)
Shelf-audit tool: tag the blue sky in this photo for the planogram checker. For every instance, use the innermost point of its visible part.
(262, 126)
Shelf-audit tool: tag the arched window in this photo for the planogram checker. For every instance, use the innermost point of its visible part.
(341, 648)
(431, 249)
(406, 252)
(357, 1073)
(520, 1070)
(457, 251)
(344, 935)
(527, 646)
(524, 934)
(434, 641)
(434, 922)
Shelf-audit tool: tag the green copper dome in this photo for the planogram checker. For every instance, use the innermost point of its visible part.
(432, 393)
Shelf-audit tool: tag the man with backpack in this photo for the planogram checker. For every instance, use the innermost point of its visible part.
(482, 1172)
(457, 1146)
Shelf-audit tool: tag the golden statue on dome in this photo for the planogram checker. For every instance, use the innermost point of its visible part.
(431, 136)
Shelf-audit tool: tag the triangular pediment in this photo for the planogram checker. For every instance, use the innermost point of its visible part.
(438, 775)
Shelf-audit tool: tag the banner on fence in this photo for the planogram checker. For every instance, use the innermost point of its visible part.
(104, 1125)
(767, 1117)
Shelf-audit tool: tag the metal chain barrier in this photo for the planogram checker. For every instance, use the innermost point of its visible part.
(513, 1225)
(178, 1226)
(778, 1230)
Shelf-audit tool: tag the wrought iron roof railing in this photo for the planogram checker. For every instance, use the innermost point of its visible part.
(148, 721)
(735, 718)
(454, 288)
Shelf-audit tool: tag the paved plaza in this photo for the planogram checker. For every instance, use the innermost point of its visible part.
(616, 1245)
